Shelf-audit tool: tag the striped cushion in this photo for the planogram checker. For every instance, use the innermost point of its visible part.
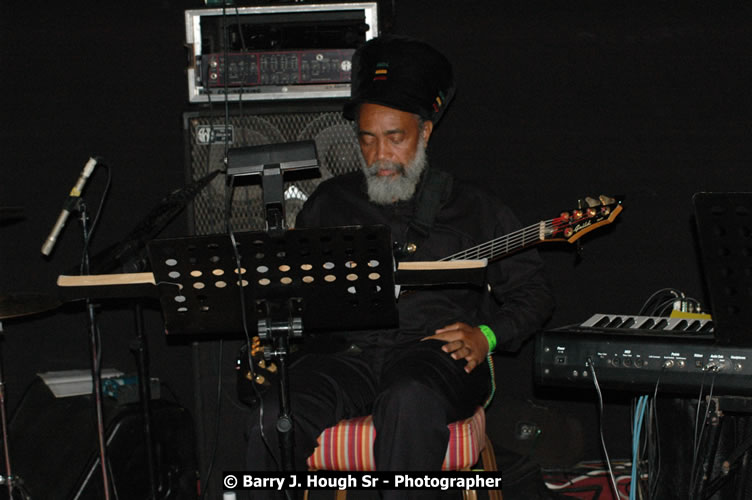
(349, 444)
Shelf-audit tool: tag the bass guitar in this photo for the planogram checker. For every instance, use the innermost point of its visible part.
(569, 226)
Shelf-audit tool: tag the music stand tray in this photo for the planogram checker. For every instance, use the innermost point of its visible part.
(337, 278)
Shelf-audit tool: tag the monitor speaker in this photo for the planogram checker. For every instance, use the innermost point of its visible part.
(209, 134)
(53, 448)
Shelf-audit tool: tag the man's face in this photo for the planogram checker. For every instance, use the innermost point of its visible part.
(393, 146)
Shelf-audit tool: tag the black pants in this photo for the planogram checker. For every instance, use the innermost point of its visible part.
(413, 390)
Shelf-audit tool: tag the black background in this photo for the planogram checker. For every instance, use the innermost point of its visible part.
(555, 101)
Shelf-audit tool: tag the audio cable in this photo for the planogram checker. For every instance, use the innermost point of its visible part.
(600, 425)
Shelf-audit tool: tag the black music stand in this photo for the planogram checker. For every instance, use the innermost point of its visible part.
(344, 278)
(270, 162)
(724, 229)
(284, 282)
(724, 226)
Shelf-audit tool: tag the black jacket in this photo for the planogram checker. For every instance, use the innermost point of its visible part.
(520, 299)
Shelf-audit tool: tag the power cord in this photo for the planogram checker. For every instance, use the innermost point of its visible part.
(696, 471)
(600, 426)
(654, 440)
(662, 302)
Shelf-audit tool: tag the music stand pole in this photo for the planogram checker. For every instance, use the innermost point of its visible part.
(277, 328)
(285, 425)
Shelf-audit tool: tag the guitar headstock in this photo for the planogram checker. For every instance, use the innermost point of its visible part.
(252, 383)
(573, 224)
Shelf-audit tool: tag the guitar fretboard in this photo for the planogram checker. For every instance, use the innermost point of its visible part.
(509, 243)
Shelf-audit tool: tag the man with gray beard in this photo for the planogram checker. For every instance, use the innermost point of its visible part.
(433, 368)
(385, 190)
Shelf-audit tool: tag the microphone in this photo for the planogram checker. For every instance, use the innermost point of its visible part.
(75, 193)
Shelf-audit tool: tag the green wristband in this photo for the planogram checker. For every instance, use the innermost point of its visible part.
(490, 337)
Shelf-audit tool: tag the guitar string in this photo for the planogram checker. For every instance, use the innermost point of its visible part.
(488, 249)
(512, 240)
(504, 243)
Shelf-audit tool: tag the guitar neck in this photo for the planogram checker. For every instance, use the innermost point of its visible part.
(507, 244)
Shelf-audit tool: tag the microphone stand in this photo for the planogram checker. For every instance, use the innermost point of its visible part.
(8, 479)
(127, 256)
(96, 371)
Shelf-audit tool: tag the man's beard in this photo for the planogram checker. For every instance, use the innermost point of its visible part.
(385, 190)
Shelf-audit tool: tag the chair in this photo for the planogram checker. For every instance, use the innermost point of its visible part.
(348, 446)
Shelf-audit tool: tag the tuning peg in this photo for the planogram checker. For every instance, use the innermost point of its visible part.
(591, 202)
(606, 200)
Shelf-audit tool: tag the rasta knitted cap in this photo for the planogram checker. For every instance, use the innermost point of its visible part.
(402, 73)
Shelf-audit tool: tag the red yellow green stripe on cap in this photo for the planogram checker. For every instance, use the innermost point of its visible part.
(438, 102)
(381, 71)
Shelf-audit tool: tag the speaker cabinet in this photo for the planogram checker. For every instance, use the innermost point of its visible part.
(54, 448)
(209, 134)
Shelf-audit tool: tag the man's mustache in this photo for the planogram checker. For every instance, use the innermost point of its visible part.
(373, 168)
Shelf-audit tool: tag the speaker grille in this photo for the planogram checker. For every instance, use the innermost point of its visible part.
(209, 135)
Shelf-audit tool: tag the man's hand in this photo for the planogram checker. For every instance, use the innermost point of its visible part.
(463, 341)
